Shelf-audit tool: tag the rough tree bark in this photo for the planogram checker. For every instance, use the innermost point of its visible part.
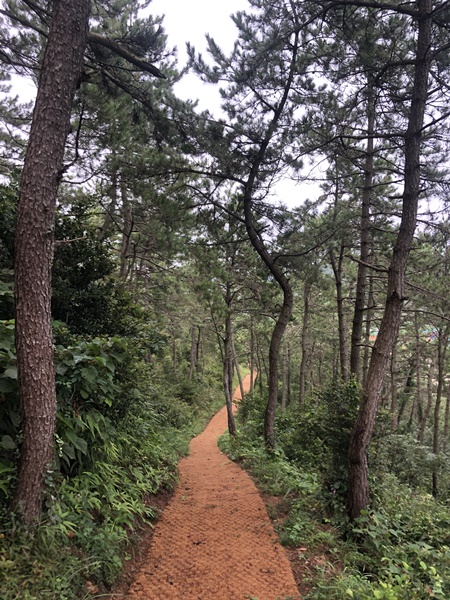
(42, 170)
(358, 498)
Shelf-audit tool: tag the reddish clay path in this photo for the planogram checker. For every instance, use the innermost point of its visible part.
(214, 540)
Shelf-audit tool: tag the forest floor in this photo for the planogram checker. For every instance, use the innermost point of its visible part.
(214, 540)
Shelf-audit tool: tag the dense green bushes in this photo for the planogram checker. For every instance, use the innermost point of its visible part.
(399, 549)
(122, 425)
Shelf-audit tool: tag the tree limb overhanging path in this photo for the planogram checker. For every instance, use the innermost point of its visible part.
(214, 540)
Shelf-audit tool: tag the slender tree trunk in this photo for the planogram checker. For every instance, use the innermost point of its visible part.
(289, 374)
(394, 388)
(284, 379)
(343, 347)
(252, 354)
(305, 342)
(238, 369)
(416, 409)
(370, 309)
(259, 246)
(442, 350)
(362, 431)
(193, 353)
(360, 294)
(109, 219)
(446, 419)
(127, 230)
(426, 412)
(228, 363)
(42, 170)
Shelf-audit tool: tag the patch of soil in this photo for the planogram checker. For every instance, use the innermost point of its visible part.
(214, 540)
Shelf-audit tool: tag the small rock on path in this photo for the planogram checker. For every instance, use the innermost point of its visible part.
(214, 540)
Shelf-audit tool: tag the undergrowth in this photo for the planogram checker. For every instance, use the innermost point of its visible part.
(123, 423)
(397, 550)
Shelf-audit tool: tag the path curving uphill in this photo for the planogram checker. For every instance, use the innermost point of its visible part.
(214, 540)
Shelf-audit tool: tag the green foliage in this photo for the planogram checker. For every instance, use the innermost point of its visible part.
(85, 294)
(121, 428)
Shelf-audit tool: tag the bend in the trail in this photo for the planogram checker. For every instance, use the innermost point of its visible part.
(214, 540)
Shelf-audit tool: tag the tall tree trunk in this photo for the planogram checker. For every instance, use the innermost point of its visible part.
(238, 369)
(427, 409)
(361, 435)
(289, 375)
(446, 419)
(259, 246)
(416, 408)
(42, 170)
(228, 363)
(252, 355)
(193, 353)
(394, 388)
(360, 295)
(343, 347)
(127, 230)
(370, 310)
(305, 342)
(109, 218)
(442, 350)
(284, 379)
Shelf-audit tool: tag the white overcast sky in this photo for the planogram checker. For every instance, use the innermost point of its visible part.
(190, 22)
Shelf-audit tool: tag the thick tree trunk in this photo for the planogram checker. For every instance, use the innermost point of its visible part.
(360, 295)
(362, 431)
(60, 73)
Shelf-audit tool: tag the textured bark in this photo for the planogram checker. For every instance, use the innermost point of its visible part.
(360, 295)
(60, 73)
(363, 429)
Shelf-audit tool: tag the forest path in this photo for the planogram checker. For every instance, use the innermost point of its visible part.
(214, 540)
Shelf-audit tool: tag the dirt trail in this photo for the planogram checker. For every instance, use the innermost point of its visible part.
(214, 540)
